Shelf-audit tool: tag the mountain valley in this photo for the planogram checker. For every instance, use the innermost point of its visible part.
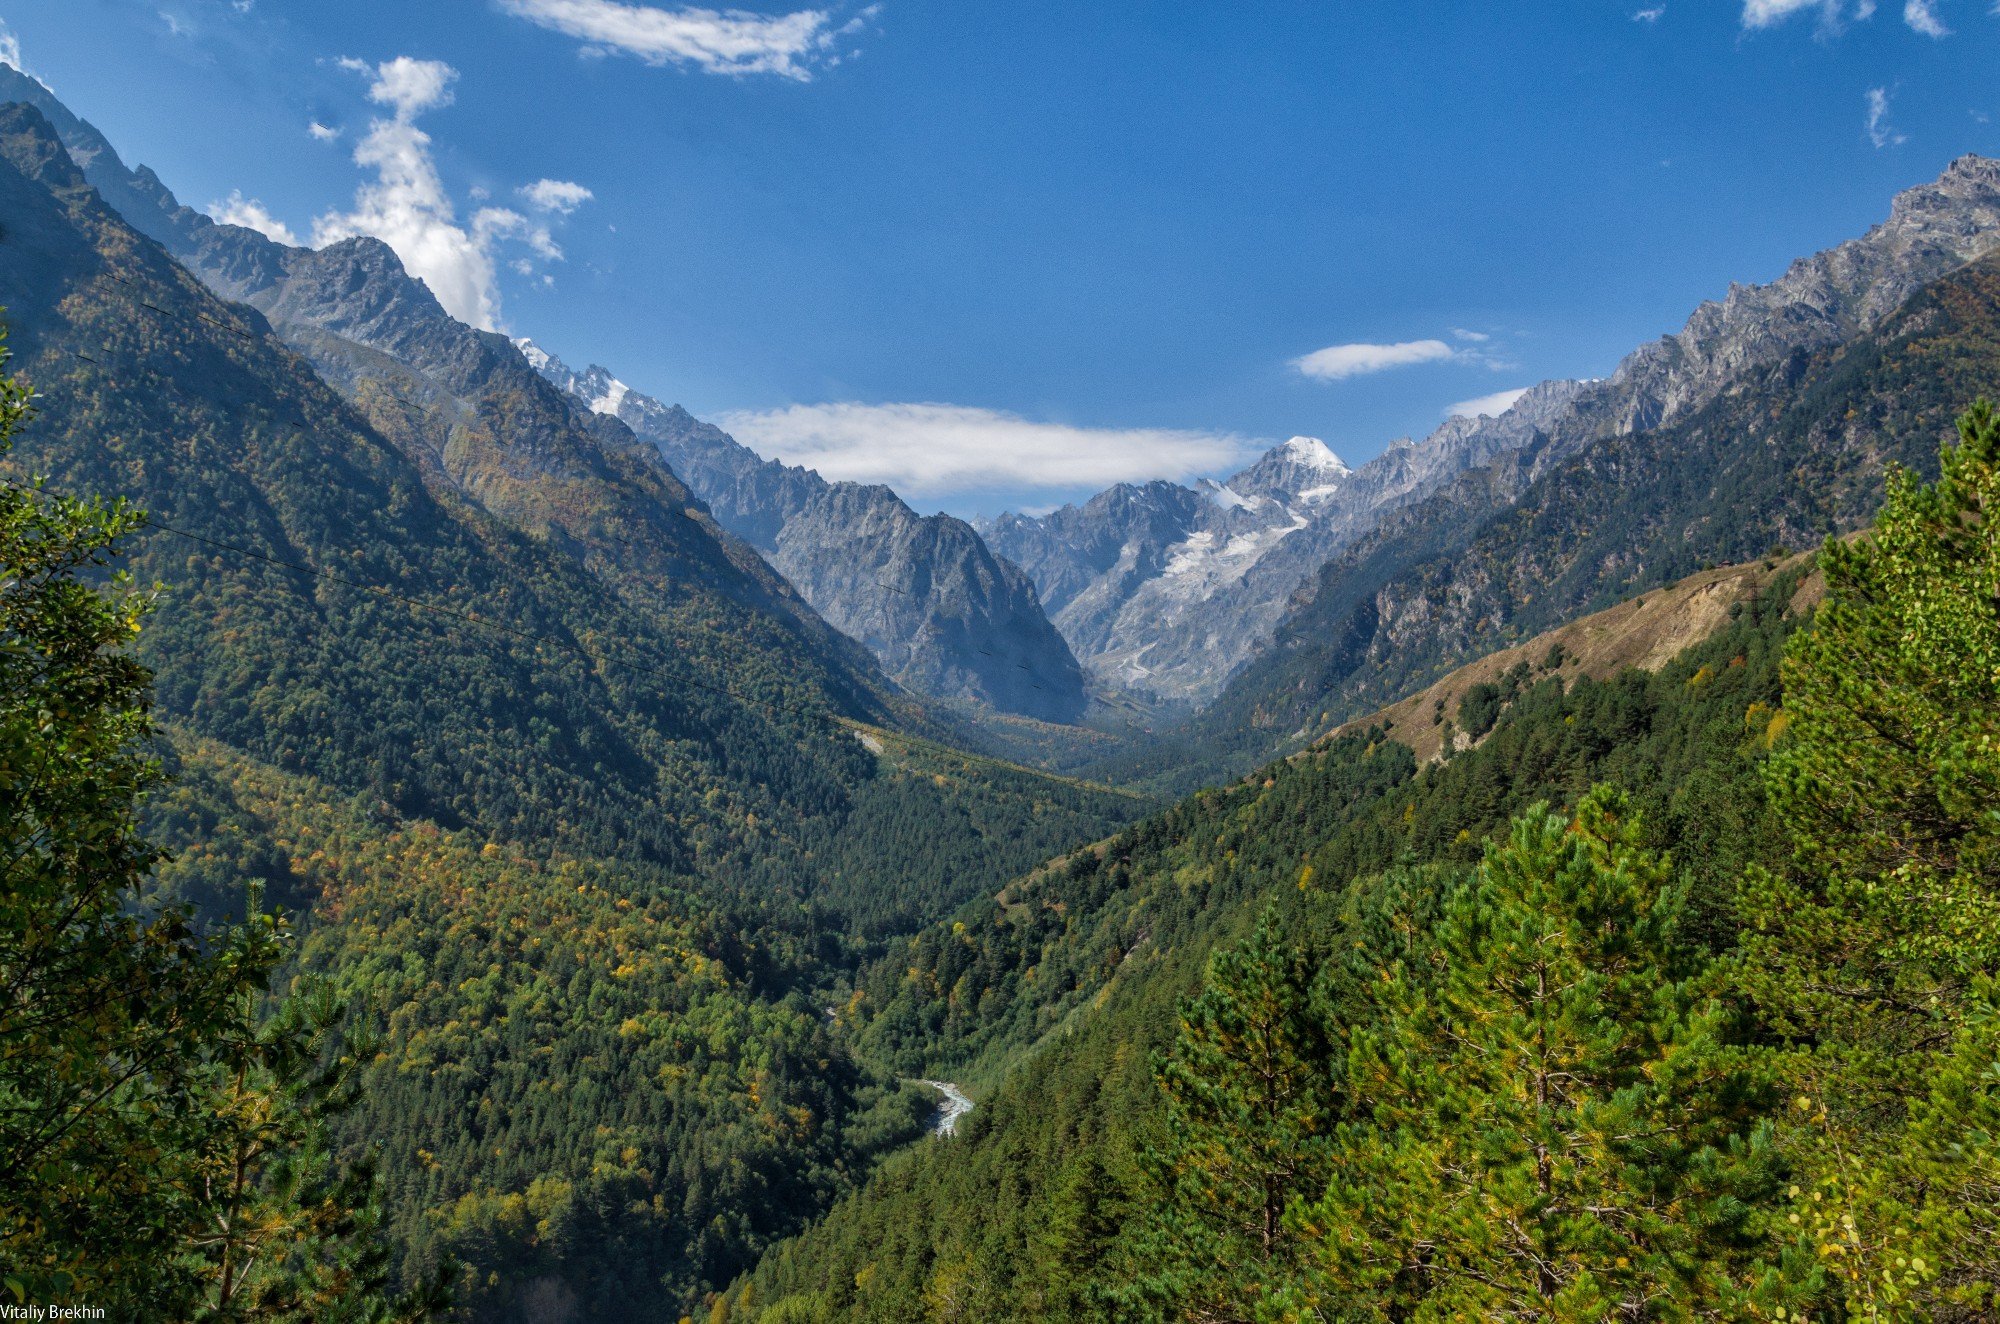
(559, 864)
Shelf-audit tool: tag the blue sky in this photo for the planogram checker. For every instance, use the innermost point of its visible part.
(1002, 255)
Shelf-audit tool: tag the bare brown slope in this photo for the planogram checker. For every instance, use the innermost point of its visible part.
(1644, 632)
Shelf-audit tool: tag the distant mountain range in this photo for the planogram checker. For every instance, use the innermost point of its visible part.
(1765, 424)
(1173, 591)
(944, 614)
(1188, 597)
(1167, 591)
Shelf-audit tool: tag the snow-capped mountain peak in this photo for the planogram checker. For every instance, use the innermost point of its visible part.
(1314, 454)
(595, 386)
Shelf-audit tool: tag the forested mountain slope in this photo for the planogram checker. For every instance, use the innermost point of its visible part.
(524, 809)
(1790, 453)
(1706, 1033)
(1061, 992)
(686, 724)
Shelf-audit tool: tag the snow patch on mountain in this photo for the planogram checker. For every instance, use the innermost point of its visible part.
(1229, 498)
(1205, 562)
(610, 397)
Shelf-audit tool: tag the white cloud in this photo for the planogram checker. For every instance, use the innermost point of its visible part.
(253, 215)
(1338, 361)
(406, 205)
(322, 132)
(1649, 15)
(1491, 406)
(10, 51)
(715, 41)
(1922, 17)
(1476, 337)
(556, 195)
(1880, 131)
(1764, 13)
(410, 86)
(490, 224)
(934, 450)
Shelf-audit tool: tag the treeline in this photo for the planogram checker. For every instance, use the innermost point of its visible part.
(1720, 1044)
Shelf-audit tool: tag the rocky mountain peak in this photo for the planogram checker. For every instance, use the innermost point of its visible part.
(1969, 177)
(1302, 469)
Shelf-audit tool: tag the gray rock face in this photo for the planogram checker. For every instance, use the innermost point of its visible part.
(1161, 593)
(925, 594)
(1822, 300)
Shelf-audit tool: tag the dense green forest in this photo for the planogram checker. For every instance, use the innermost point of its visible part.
(444, 664)
(1716, 1040)
(571, 870)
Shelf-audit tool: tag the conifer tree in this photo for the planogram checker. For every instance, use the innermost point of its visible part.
(1558, 1129)
(1874, 956)
(1248, 1098)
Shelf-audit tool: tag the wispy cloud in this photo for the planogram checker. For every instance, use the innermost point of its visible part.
(1766, 13)
(407, 207)
(1922, 17)
(1338, 361)
(10, 51)
(730, 41)
(252, 214)
(1880, 131)
(1489, 406)
(941, 450)
(1652, 15)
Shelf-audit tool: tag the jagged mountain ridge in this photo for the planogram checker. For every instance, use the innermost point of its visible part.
(1133, 619)
(462, 402)
(1785, 455)
(925, 594)
(153, 389)
(1169, 590)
